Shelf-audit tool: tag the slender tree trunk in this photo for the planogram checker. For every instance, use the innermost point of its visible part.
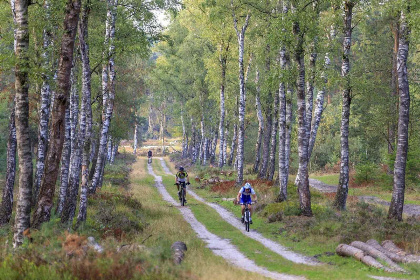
(319, 108)
(77, 137)
(184, 137)
(213, 147)
(203, 140)
(65, 164)
(44, 110)
(302, 180)
(273, 140)
(109, 151)
(282, 131)
(23, 209)
(242, 96)
(289, 118)
(225, 144)
(7, 198)
(86, 110)
(114, 152)
(109, 93)
(260, 123)
(343, 185)
(233, 144)
(222, 160)
(95, 151)
(310, 96)
(397, 201)
(45, 202)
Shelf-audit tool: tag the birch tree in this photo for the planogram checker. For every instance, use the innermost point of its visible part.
(397, 201)
(22, 67)
(343, 185)
(44, 205)
(108, 90)
(260, 122)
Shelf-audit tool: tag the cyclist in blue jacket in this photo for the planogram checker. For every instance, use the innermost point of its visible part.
(244, 197)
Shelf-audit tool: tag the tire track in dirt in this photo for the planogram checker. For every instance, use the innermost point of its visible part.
(268, 243)
(219, 246)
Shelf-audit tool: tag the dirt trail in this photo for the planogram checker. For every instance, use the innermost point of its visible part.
(409, 209)
(219, 246)
(231, 219)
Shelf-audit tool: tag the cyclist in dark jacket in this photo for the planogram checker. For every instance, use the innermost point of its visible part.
(181, 177)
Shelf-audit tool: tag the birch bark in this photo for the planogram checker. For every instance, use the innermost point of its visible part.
(86, 109)
(343, 185)
(225, 144)
(302, 180)
(242, 93)
(23, 208)
(222, 60)
(43, 209)
(108, 89)
(282, 130)
(260, 122)
(273, 139)
(44, 110)
(7, 198)
(397, 201)
(65, 164)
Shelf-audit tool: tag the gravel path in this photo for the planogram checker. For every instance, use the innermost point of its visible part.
(233, 220)
(219, 246)
(409, 209)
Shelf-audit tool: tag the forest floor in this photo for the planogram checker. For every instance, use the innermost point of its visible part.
(284, 245)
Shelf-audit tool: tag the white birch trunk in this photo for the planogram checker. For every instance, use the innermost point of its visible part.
(343, 185)
(273, 139)
(222, 154)
(86, 112)
(44, 109)
(260, 123)
(242, 94)
(23, 208)
(65, 164)
(225, 144)
(108, 89)
(397, 201)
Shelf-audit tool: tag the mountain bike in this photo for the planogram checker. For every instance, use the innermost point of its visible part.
(247, 216)
(149, 160)
(182, 192)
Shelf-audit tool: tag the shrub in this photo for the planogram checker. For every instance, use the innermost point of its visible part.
(366, 173)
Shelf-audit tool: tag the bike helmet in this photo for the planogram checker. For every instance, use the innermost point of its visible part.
(247, 186)
(181, 168)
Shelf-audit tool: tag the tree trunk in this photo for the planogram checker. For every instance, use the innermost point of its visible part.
(77, 140)
(65, 164)
(233, 144)
(225, 144)
(260, 123)
(376, 254)
(135, 138)
(114, 152)
(397, 201)
(184, 137)
(242, 96)
(44, 110)
(7, 199)
(43, 209)
(343, 185)
(289, 118)
(108, 90)
(213, 147)
(350, 251)
(86, 111)
(319, 108)
(393, 256)
(282, 131)
(222, 160)
(273, 139)
(23, 209)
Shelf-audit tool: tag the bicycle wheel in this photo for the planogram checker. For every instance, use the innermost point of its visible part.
(182, 196)
(247, 220)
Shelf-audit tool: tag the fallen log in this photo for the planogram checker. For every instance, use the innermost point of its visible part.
(367, 249)
(375, 244)
(407, 258)
(350, 251)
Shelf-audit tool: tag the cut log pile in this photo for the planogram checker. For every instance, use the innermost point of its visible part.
(371, 253)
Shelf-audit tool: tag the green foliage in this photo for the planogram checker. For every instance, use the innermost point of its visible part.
(366, 173)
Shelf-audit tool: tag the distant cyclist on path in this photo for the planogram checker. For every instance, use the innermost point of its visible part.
(181, 178)
(244, 197)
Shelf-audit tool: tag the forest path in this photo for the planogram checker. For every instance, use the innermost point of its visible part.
(219, 246)
(231, 219)
(409, 209)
